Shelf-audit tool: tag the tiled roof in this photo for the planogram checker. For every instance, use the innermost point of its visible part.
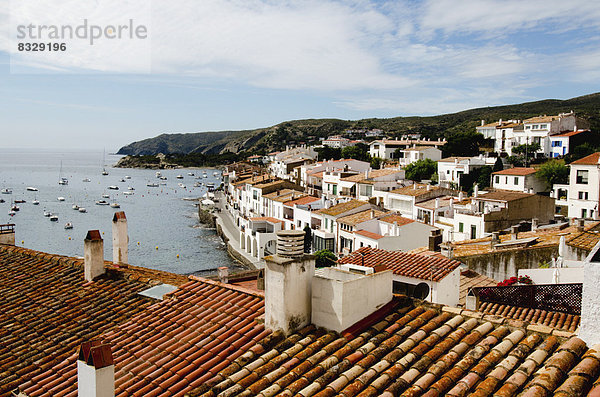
(270, 184)
(368, 234)
(517, 171)
(409, 265)
(568, 134)
(470, 279)
(341, 208)
(302, 201)
(416, 189)
(360, 217)
(451, 159)
(413, 352)
(174, 345)
(568, 322)
(503, 195)
(266, 219)
(587, 239)
(399, 219)
(47, 308)
(592, 159)
(540, 119)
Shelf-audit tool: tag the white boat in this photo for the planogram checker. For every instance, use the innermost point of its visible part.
(127, 177)
(54, 218)
(61, 179)
(149, 184)
(158, 174)
(115, 205)
(61, 198)
(75, 207)
(197, 184)
(35, 202)
(122, 180)
(68, 225)
(104, 172)
(130, 188)
(163, 183)
(205, 176)
(11, 213)
(163, 178)
(128, 193)
(14, 207)
(86, 180)
(82, 210)
(6, 191)
(106, 195)
(47, 214)
(179, 177)
(32, 189)
(101, 202)
(190, 173)
(113, 187)
(181, 185)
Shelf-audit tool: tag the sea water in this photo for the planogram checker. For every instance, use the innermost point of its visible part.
(164, 232)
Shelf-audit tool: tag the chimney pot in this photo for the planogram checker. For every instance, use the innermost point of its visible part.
(223, 272)
(93, 247)
(514, 231)
(95, 370)
(495, 239)
(534, 224)
(580, 225)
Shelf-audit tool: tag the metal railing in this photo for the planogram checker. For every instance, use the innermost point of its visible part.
(8, 228)
(564, 298)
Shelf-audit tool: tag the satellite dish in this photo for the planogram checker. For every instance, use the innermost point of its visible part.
(421, 291)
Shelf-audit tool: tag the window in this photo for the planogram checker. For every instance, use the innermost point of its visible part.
(584, 213)
(461, 227)
(582, 177)
(334, 189)
(497, 179)
(473, 231)
(447, 172)
(583, 195)
(516, 180)
(326, 223)
(556, 143)
(255, 195)
(299, 224)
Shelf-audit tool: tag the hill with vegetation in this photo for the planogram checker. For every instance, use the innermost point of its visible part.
(264, 140)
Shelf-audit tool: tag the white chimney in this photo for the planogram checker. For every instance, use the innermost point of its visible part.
(589, 329)
(223, 272)
(461, 196)
(534, 224)
(288, 281)
(476, 190)
(482, 123)
(120, 238)
(428, 187)
(7, 234)
(93, 253)
(95, 370)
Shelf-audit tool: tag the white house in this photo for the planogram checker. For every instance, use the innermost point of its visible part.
(326, 236)
(336, 141)
(562, 144)
(433, 278)
(414, 154)
(584, 187)
(520, 179)
(450, 169)
(385, 148)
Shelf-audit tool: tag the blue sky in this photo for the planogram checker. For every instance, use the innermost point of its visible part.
(221, 65)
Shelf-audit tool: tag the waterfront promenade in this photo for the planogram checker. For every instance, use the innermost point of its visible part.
(225, 221)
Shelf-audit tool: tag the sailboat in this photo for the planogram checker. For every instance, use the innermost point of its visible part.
(104, 172)
(62, 180)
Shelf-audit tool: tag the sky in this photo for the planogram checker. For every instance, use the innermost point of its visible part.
(215, 65)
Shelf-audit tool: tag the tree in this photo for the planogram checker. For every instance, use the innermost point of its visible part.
(325, 258)
(526, 151)
(485, 176)
(307, 238)
(375, 163)
(360, 151)
(553, 171)
(421, 169)
(326, 153)
(464, 143)
(498, 165)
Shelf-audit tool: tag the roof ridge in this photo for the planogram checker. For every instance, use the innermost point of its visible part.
(56, 258)
(232, 287)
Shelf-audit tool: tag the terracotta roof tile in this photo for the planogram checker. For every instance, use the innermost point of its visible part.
(558, 320)
(341, 208)
(397, 218)
(360, 217)
(517, 171)
(371, 235)
(592, 159)
(403, 264)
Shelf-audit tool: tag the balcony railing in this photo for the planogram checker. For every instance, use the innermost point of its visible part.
(564, 298)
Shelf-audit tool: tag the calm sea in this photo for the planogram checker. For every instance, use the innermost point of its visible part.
(162, 221)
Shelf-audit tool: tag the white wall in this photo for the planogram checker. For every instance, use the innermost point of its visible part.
(341, 299)
(566, 275)
(447, 290)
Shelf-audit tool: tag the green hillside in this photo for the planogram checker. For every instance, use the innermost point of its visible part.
(276, 137)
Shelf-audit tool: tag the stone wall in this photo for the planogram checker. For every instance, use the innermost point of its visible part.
(206, 217)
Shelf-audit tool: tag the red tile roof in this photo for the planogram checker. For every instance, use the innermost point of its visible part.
(302, 201)
(416, 351)
(568, 322)
(409, 265)
(368, 234)
(47, 309)
(399, 219)
(174, 345)
(570, 133)
(517, 171)
(266, 219)
(592, 159)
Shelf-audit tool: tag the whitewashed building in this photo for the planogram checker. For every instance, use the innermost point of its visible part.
(520, 179)
(584, 187)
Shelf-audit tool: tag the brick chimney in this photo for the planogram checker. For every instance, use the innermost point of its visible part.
(7, 234)
(95, 370)
(288, 282)
(93, 252)
(120, 238)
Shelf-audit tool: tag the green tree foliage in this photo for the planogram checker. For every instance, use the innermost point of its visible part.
(464, 143)
(553, 171)
(480, 176)
(375, 163)
(484, 177)
(307, 238)
(421, 169)
(325, 258)
(326, 153)
(359, 151)
(498, 165)
(581, 151)
(529, 148)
